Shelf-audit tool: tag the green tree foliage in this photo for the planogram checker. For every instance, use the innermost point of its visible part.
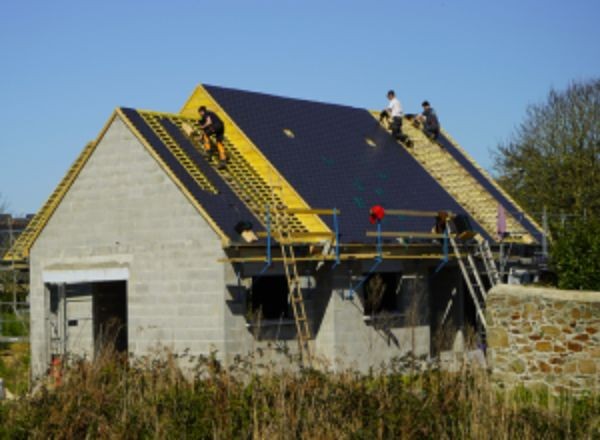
(553, 161)
(576, 255)
(553, 158)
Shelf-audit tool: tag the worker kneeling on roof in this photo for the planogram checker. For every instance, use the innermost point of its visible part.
(212, 125)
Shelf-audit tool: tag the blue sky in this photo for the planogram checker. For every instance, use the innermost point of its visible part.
(65, 65)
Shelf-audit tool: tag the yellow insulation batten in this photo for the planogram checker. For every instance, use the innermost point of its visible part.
(461, 185)
(225, 240)
(263, 167)
(21, 248)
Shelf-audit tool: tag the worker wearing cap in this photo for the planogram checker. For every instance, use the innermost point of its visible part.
(211, 125)
(394, 112)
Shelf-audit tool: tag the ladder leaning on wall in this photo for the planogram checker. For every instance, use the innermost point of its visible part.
(288, 238)
(283, 234)
(473, 281)
(487, 257)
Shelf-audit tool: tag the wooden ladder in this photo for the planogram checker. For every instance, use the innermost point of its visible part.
(284, 234)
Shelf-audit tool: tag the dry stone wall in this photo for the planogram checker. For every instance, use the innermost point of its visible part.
(544, 338)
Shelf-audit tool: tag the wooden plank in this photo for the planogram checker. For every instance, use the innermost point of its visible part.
(343, 257)
(293, 235)
(400, 234)
(312, 211)
(412, 213)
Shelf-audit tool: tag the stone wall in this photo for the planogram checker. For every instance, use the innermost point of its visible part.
(544, 337)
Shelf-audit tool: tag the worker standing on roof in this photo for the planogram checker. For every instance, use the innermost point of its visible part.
(431, 124)
(211, 125)
(393, 111)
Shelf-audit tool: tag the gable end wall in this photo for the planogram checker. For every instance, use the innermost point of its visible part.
(123, 211)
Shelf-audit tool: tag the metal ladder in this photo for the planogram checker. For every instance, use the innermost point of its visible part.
(488, 261)
(295, 296)
(472, 280)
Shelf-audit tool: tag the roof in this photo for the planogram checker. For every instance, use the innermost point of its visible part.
(301, 154)
(331, 164)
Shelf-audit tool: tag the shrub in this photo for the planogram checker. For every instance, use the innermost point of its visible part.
(575, 255)
(154, 397)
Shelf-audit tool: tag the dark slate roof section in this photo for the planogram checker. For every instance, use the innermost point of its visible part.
(225, 208)
(484, 181)
(330, 164)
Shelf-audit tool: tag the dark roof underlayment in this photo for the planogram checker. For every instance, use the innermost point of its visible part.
(225, 208)
(331, 165)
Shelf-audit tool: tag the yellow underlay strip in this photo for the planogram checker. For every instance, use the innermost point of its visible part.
(153, 121)
(21, 248)
(224, 238)
(263, 167)
(460, 184)
(491, 179)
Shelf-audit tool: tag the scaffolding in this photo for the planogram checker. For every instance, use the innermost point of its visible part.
(14, 305)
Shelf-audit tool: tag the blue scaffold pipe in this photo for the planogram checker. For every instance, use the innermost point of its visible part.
(336, 227)
(379, 243)
(445, 251)
(269, 257)
(378, 260)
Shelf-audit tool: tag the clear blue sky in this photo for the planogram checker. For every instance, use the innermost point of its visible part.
(65, 65)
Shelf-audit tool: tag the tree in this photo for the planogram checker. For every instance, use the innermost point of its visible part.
(576, 255)
(553, 158)
(553, 161)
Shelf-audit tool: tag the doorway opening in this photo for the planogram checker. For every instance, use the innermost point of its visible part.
(109, 312)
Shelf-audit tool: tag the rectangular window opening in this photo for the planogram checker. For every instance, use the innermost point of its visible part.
(381, 294)
(268, 299)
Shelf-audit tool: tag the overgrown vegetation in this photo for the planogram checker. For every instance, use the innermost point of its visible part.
(576, 255)
(14, 367)
(153, 397)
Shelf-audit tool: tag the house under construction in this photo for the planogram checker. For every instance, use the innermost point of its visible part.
(146, 242)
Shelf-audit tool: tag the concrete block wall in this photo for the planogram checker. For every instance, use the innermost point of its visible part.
(347, 340)
(342, 337)
(361, 345)
(544, 338)
(242, 340)
(124, 211)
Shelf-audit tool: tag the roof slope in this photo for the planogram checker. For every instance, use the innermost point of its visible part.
(331, 162)
(222, 207)
(305, 154)
(491, 186)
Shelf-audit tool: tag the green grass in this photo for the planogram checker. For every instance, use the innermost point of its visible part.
(14, 367)
(154, 398)
(10, 325)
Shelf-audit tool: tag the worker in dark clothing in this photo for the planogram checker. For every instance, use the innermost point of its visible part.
(431, 124)
(212, 125)
(394, 112)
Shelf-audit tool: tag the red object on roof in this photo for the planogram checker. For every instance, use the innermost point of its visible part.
(376, 214)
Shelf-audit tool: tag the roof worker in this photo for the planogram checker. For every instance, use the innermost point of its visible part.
(212, 125)
(429, 119)
(393, 111)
